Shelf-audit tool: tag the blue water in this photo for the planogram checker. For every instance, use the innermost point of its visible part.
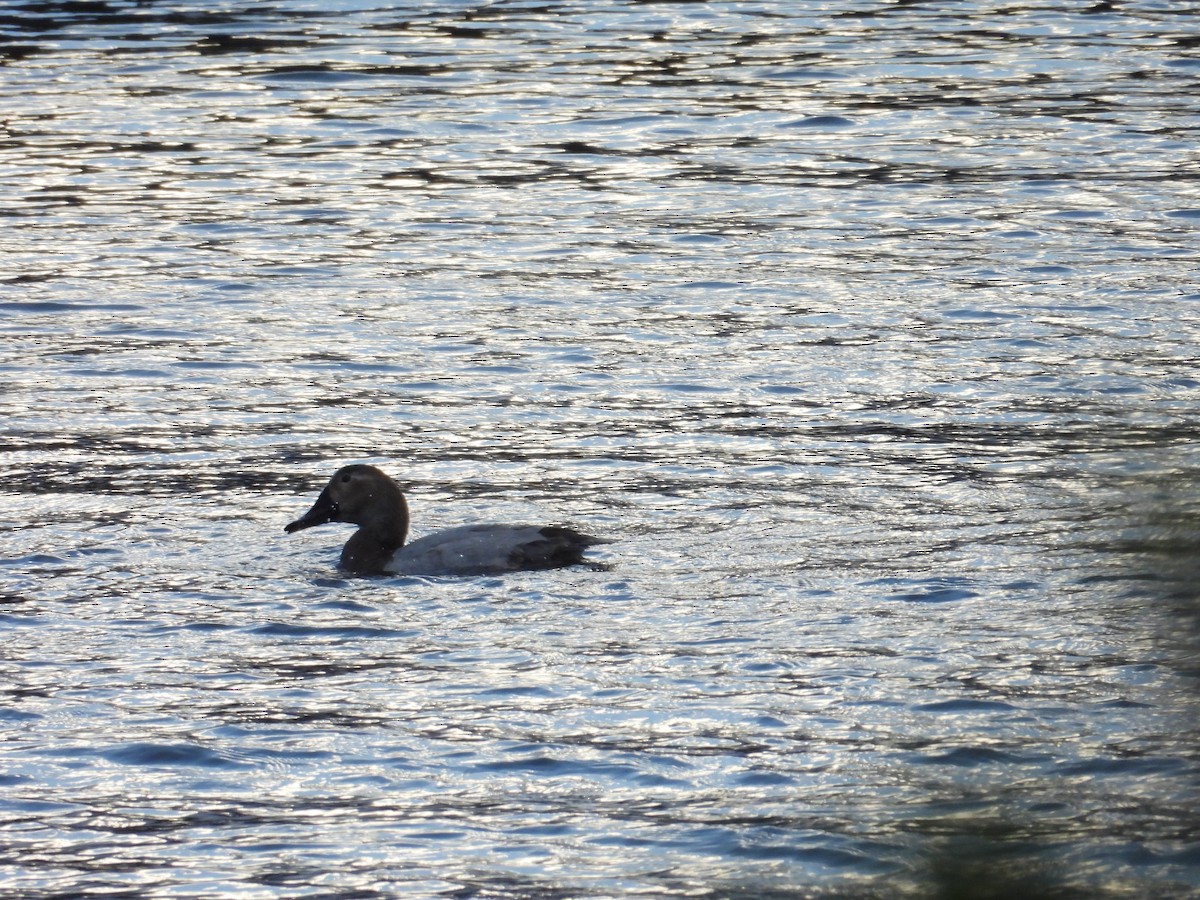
(868, 331)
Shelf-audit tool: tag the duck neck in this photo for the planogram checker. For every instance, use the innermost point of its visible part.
(371, 547)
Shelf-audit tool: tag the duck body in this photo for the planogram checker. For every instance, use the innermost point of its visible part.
(364, 496)
(490, 550)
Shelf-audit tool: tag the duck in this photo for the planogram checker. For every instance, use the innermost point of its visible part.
(365, 496)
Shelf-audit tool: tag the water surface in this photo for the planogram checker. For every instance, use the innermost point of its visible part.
(869, 331)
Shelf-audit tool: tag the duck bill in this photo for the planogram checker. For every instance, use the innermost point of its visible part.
(324, 510)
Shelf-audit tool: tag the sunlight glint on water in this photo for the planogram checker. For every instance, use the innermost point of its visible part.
(868, 332)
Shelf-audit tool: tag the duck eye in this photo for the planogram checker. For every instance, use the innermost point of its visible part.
(345, 479)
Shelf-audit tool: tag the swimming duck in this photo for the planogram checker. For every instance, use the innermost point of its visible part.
(366, 497)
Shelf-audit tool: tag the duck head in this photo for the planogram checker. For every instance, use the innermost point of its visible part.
(366, 497)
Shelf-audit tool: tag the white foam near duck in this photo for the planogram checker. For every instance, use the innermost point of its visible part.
(366, 497)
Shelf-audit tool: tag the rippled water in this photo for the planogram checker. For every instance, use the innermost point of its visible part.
(868, 330)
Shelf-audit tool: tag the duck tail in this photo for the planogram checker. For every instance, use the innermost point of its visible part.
(558, 547)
